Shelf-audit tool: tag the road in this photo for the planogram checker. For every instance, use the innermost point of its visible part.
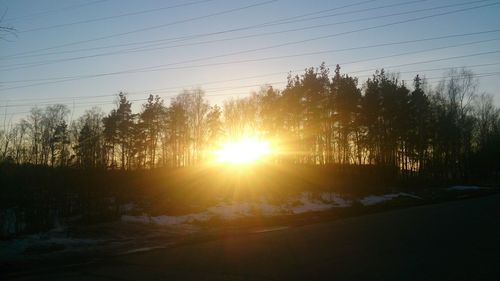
(451, 241)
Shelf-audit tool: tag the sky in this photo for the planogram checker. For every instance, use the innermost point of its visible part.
(84, 52)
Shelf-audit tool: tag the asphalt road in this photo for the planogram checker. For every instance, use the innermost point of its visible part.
(451, 241)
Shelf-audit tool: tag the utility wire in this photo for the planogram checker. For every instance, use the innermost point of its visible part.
(157, 10)
(272, 23)
(71, 78)
(156, 42)
(151, 47)
(478, 75)
(454, 57)
(48, 12)
(319, 52)
(432, 69)
(181, 38)
(115, 16)
(145, 48)
(431, 60)
(153, 27)
(207, 90)
(400, 65)
(20, 55)
(314, 53)
(173, 89)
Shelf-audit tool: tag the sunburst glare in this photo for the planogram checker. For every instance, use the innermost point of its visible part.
(242, 151)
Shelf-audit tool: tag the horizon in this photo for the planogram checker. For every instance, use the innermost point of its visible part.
(94, 24)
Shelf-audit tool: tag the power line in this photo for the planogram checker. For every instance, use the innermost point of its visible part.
(423, 51)
(239, 52)
(463, 56)
(172, 89)
(432, 60)
(272, 23)
(156, 68)
(433, 69)
(486, 74)
(413, 63)
(400, 13)
(186, 37)
(337, 50)
(145, 48)
(323, 37)
(47, 12)
(154, 27)
(166, 88)
(312, 53)
(266, 24)
(81, 105)
(116, 16)
(214, 89)
(157, 10)
(479, 75)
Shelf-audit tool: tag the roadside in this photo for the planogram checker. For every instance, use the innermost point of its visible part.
(450, 241)
(81, 244)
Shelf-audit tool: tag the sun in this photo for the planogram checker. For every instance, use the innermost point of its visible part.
(242, 151)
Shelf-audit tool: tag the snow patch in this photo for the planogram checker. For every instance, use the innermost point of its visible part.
(411, 195)
(268, 209)
(378, 199)
(166, 220)
(231, 211)
(336, 199)
(178, 220)
(308, 204)
(304, 202)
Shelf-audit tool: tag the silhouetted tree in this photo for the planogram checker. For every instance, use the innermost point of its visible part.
(419, 126)
(90, 147)
(54, 133)
(346, 99)
(438, 133)
(124, 125)
(151, 119)
(214, 126)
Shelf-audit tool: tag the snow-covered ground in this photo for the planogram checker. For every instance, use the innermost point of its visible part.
(303, 203)
(129, 235)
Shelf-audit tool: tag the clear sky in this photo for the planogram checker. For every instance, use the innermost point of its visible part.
(71, 51)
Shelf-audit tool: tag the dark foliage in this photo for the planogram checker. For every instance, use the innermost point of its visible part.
(332, 134)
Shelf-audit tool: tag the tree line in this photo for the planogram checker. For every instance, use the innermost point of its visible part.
(449, 131)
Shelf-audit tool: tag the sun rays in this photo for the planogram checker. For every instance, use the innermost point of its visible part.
(243, 151)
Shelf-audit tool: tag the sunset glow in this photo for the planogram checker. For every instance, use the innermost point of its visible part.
(243, 151)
